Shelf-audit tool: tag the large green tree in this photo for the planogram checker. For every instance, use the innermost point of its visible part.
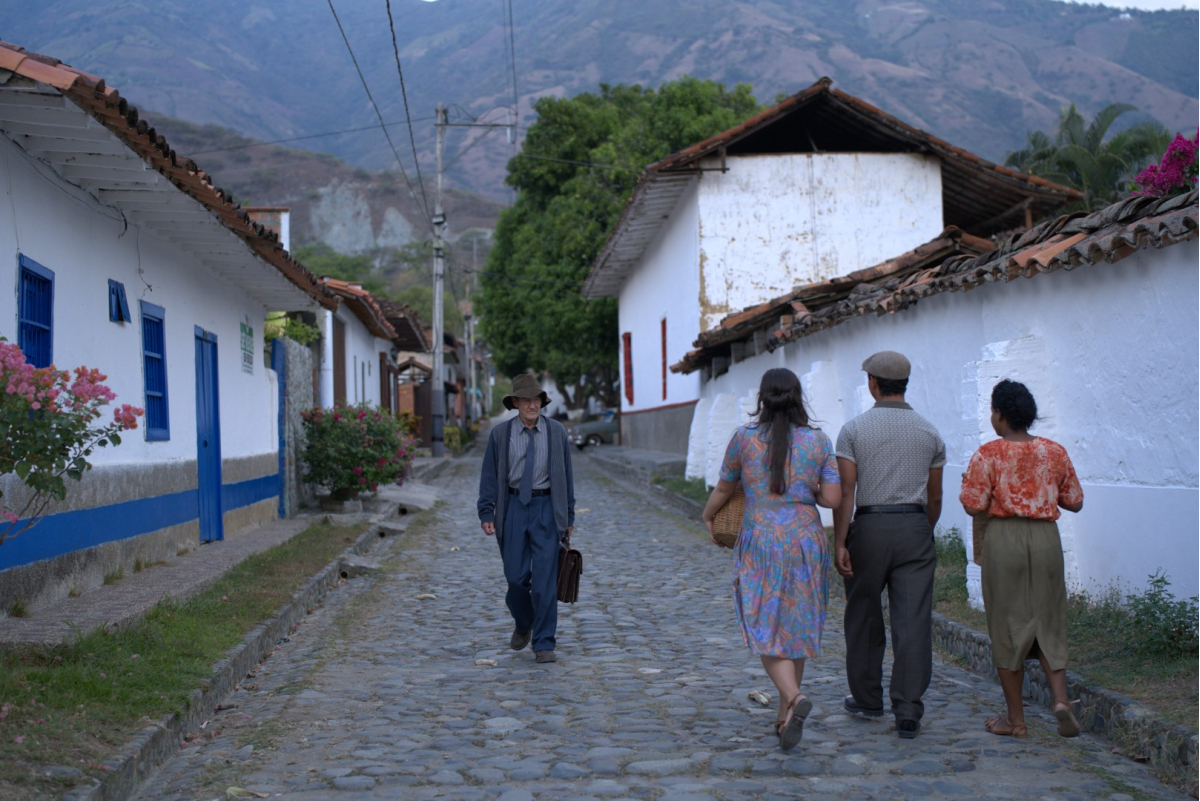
(577, 167)
(1082, 155)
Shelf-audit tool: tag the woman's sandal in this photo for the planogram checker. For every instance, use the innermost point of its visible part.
(1068, 726)
(792, 728)
(1005, 728)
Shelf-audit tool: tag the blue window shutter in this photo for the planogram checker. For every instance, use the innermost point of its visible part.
(154, 365)
(35, 312)
(118, 307)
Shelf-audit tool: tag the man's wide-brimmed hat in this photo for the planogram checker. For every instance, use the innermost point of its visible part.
(525, 385)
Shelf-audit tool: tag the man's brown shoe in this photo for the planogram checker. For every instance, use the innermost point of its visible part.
(519, 640)
(545, 656)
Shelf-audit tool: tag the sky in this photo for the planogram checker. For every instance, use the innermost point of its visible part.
(1145, 5)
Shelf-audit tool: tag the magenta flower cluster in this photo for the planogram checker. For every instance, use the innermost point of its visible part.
(1175, 173)
(49, 415)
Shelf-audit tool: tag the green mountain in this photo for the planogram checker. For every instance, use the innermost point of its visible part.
(978, 73)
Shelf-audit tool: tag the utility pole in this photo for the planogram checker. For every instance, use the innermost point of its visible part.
(441, 123)
(467, 310)
(438, 395)
(471, 321)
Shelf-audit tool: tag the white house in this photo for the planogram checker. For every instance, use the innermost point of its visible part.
(356, 349)
(121, 255)
(819, 185)
(1096, 314)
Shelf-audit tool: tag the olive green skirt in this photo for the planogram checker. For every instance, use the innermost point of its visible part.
(1024, 592)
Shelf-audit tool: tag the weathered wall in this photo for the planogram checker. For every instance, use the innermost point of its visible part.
(362, 359)
(1109, 352)
(663, 430)
(773, 222)
(299, 395)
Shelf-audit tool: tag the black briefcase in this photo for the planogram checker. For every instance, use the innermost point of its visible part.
(570, 568)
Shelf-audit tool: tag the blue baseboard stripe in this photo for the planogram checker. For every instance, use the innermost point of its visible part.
(86, 528)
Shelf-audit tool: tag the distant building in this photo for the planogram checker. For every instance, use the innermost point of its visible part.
(817, 186)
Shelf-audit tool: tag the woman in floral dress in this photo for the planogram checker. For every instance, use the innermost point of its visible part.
(787, 468)
(1019, 481)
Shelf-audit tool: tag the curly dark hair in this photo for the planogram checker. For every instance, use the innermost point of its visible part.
(1014, 403)
(780, 406)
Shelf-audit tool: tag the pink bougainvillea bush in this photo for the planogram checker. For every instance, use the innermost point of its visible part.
(50, 419)
(1174, 174)
(352, 449)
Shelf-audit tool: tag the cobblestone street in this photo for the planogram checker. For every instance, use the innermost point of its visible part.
(382, 694)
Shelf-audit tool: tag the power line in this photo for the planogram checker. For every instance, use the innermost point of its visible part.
(298, 138)
(375, 106)
(408, 117)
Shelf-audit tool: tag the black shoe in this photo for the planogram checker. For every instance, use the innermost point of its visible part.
(519, 640)
(855, 708)
(545, 656)
(907, 729)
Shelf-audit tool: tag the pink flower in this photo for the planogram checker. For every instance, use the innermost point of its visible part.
(19, 739)
(357, 471)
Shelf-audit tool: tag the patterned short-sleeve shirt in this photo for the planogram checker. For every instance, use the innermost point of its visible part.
(1021, 479)
(894, 448)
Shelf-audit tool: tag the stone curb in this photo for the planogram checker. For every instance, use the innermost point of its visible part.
(1170, 749)
(640, 480)
(155, 744)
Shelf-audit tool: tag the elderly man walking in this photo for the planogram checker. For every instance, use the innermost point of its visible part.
(527, 501)
(890, 460)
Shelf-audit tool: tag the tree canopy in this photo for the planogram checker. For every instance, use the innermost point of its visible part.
(576, 170)
(1079, 155)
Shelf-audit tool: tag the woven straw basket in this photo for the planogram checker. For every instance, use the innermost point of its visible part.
(727, 522)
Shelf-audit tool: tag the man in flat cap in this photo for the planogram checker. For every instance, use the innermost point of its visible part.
(527, 501)
(890, 459)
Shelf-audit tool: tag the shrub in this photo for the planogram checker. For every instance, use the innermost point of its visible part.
(48, 416)
(1166, 628)
(355, 448)
(453, 438)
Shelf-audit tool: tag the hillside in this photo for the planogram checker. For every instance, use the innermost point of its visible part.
(978, 73)
(353, 210)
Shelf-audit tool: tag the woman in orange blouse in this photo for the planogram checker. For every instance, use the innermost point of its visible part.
(1019, 481)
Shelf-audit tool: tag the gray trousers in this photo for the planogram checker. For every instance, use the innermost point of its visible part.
(893, 551)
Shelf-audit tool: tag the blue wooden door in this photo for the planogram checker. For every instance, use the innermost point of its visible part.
(208, 437)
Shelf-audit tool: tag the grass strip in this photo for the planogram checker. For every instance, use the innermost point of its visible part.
(71, 705)
(694, 489)
(1107, 643)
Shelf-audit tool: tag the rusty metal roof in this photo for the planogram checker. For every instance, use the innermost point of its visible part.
(978, 196)
(94, 138)
(364, 306)
(1065, 243)
(410, 331)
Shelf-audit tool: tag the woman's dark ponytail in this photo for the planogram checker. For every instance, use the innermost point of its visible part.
(780, 406)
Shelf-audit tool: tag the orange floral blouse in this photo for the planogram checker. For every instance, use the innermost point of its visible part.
(1021, 479)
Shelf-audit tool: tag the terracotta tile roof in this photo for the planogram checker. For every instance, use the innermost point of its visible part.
(1070, 241)
(364, 306)
(977, 196)
(104, 104)
(410, 331)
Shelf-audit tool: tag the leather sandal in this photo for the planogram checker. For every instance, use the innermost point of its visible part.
(793, 726)
(1006, 728)
(1068, 726)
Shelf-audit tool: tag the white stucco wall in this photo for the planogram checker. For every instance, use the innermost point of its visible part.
(775, 221)
(1110, 354)
(362, 359)
(85, 244)
(666, 285)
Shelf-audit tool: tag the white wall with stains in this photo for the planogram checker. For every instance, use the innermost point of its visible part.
(1109, 353)
(665, 286)
(774, 221)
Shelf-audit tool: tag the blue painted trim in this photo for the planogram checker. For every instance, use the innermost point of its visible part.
(207, 336)
(252, 490)
(28, 265)
(159, 433)
(86, 528)
(279, 363)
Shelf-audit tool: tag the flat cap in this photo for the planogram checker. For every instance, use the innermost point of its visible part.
(887, 364)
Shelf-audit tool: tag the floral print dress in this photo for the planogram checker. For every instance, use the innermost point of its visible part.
(782, 554)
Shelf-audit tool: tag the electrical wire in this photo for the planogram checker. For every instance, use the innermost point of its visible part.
(375, 106)
(407, 116)
(306, 136)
